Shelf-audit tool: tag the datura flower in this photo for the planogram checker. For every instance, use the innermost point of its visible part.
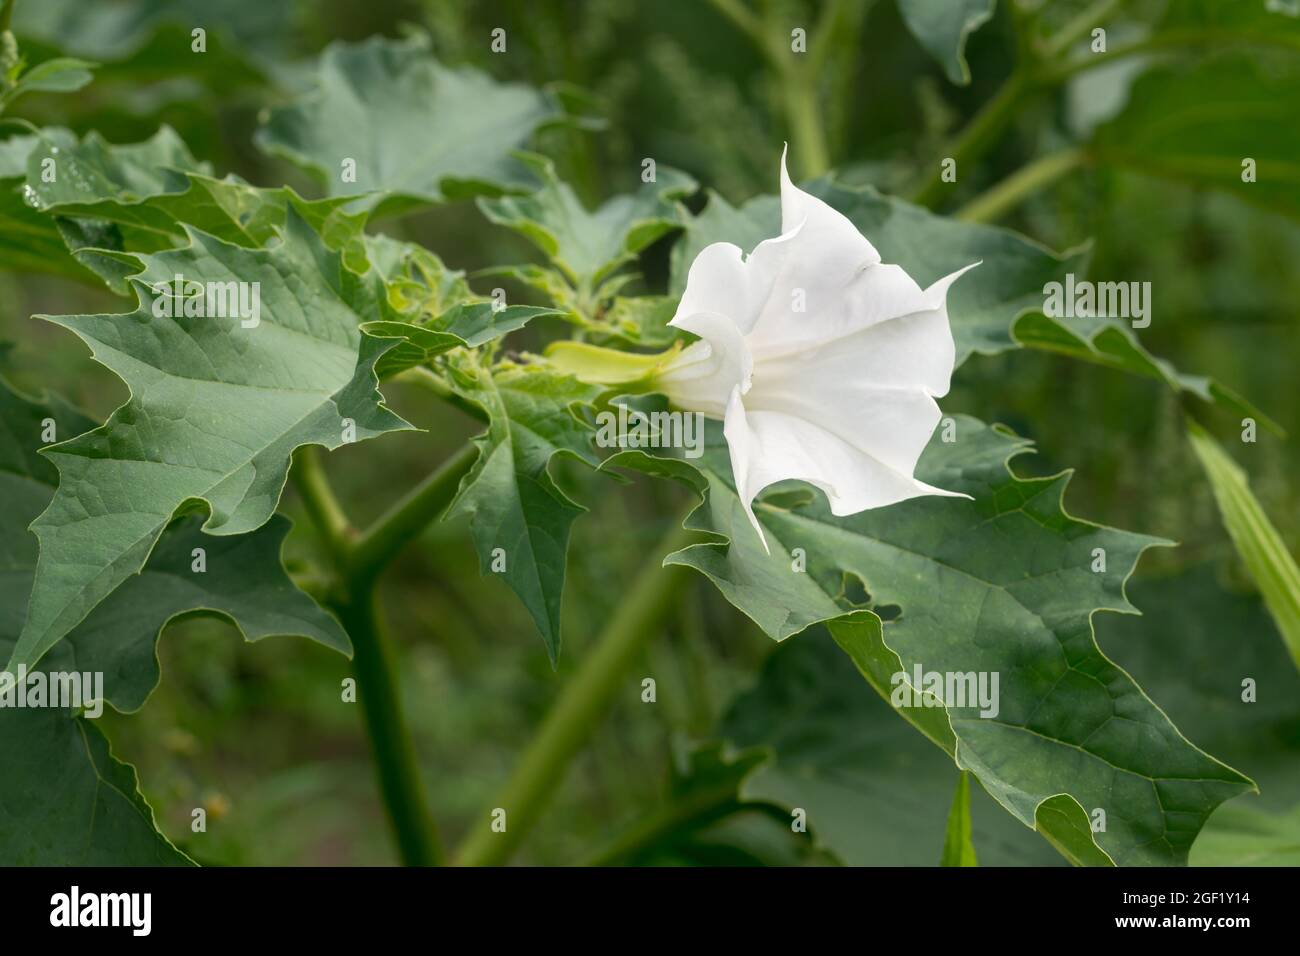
(823, 362)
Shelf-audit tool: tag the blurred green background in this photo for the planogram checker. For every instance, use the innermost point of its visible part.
(257, 734)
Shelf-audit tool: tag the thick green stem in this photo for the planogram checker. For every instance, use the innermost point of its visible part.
(358, 561)
(1028, 79)
(322, 507)
(804, 116)
(797, 75)
(574, 714)
(978, 135)
(991, 205)
(405, 520)
(390, 740)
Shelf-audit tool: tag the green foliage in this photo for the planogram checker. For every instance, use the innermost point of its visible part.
(1084, 760)
(1186, 121)
(875, 792)
(957, 847)
(399, 116)
(588, 246)
(1021, 580)
(942, 26)
(100, 817)
(519, 516)
(217, 409)
(1211, 655)
(1257, 541)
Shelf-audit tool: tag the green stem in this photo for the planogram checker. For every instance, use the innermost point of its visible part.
(978, 135)
(430, 381)
(1080, 26)
(575, 712)
(402, 523)
(797, 80)
(1028, 79)
(744, 20)
(322, 507)
(832, 17)
(390, 740)
(804, 116)
(995, 202)
(358, 561)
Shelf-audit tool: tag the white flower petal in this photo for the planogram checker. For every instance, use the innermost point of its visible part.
(913, 351)
(770, 446)
(890, 425)
(702, 377)
(822, 361)
(840, 248)
(717, 283)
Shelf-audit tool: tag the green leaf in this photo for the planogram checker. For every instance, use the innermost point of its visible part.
(420, 286)
(1257, 541)
(86, 172)
(418, 131)
(433, 309)
(1199, 122)
(215, 412)
(152, 38)
(244, 581)
(641, 321)
(59, 75)
(995, 308)
(465, 326)
(15, 150)
(942, 26)
(875, 792)
(1212, 657)
(957, 847)
(518, 514)
(588, 246)
(65, 800)
(1006, 583)
(1226, 21)
(1249, 836)
(1112, 343)
(549, 282)
(142, 196)
(93, 169)
(99, 817)
(29, 240)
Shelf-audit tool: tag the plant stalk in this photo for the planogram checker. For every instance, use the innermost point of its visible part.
(574, 714)
(390, 739)
(978, 135)
(358, 561)
(322, 507)
(1080, 26)
(994, 203)
(405, 520)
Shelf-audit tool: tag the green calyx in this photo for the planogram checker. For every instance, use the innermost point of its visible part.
(605, 366)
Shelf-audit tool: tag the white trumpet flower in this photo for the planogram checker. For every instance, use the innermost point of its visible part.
(823, 362)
